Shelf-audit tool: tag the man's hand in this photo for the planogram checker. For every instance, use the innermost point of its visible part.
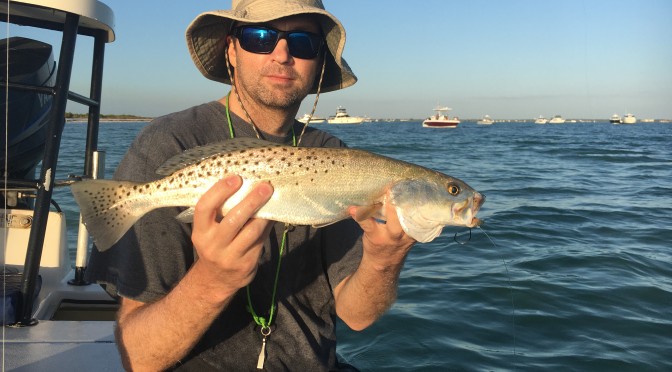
(154, 336)
(364, 296)
(229, 247)
(384, 242)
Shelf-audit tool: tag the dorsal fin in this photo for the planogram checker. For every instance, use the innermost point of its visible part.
(196, 154)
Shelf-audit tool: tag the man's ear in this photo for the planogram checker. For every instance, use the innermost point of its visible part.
(231, 50)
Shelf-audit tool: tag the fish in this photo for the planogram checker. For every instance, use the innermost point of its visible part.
(312, 186)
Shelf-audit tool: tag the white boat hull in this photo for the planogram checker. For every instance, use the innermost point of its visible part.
(346, 120)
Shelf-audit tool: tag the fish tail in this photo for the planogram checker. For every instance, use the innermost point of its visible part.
(108, 208)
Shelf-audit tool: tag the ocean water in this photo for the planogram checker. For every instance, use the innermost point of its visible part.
(574, 274)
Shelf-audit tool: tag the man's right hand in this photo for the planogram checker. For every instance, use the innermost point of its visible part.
(229, 246)
(154, 336)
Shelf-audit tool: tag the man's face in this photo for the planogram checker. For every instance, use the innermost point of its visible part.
(277, 79)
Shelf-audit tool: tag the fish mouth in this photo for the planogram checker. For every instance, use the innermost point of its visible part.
(477, 202)
(475, 222)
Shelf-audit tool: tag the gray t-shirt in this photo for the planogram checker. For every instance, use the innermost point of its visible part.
(157, 252)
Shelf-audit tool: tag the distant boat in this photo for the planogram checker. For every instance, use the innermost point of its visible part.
(557, 119)
(314, 120)
(629, 119)
(615, 119)
(485, 120)
(541, 120)
(342, 117)
(440, 119)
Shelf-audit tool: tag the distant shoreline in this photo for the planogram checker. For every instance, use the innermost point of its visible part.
(107, 120)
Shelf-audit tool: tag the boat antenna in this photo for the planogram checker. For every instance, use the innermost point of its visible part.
(5, 185)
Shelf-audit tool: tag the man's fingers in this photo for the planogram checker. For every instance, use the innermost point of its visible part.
(209, 204)
(238, 216)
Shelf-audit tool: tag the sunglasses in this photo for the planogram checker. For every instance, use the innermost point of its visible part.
(262, 40)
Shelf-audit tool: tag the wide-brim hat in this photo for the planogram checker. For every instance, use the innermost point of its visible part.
(206, 37)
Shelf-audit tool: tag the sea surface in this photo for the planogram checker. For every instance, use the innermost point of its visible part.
(574, 274)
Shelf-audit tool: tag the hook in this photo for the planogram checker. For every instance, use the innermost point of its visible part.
(462, 243)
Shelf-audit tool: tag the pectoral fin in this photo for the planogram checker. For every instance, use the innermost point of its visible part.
(187, 216)
(367, 211)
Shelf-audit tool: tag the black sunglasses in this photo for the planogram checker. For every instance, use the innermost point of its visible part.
(263, 39)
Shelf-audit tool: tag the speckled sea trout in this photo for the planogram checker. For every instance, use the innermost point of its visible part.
(312, 186)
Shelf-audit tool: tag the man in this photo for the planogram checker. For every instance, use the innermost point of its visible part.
(234, 292)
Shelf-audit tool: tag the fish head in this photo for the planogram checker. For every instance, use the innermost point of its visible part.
(425, 205)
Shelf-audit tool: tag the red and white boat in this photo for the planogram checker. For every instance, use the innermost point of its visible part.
(441, 119)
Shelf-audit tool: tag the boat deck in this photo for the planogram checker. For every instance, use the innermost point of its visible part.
(62, 346)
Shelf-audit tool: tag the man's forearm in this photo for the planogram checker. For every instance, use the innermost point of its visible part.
(156, 336)
(369, 292)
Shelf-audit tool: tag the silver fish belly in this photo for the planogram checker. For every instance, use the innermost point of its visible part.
(312, 186)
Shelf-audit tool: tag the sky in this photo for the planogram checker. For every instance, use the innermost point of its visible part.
(510, 59)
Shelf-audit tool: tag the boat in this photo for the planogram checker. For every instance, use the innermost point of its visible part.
(540, 120)
(342, 117)
(485, 120)
(629, 119)
(615, 119)
(52, 319)
(441, 119)
(313, 120)
(557, 119)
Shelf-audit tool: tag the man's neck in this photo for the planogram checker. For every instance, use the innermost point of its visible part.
(272, 121)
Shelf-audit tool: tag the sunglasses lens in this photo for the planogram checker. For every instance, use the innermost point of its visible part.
(258, 40)
(304, 45)
(262, 40)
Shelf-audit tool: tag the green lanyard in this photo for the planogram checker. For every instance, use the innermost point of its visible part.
(228, 118)
(264, 323)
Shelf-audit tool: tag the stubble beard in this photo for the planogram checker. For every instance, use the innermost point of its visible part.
(254, 88)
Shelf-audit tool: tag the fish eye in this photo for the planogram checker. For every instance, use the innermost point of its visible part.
(453, 189)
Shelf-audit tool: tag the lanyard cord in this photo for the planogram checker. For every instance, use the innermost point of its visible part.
(264, 323)
(231, 134)
(261, 321)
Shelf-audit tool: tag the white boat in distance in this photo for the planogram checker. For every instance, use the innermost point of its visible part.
(615, 119)
(485, 120)
(342, 117)
(314, 120)
(629, 119)
(557, 119)
(541, 120)
(441, 120)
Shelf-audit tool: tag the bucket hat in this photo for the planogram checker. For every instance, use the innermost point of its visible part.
(206, 37)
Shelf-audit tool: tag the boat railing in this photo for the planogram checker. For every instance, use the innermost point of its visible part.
(87, 18)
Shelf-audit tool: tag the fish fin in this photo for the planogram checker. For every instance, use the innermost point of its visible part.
(323, 224)
(106, 214)
(187, 216)
(367, 211)
(196, 154)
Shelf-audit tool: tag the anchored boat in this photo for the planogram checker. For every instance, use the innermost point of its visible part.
(342, 117)
(53, 320)
(441, 119)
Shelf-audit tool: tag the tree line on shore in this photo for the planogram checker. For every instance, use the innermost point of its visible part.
(70, 115)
